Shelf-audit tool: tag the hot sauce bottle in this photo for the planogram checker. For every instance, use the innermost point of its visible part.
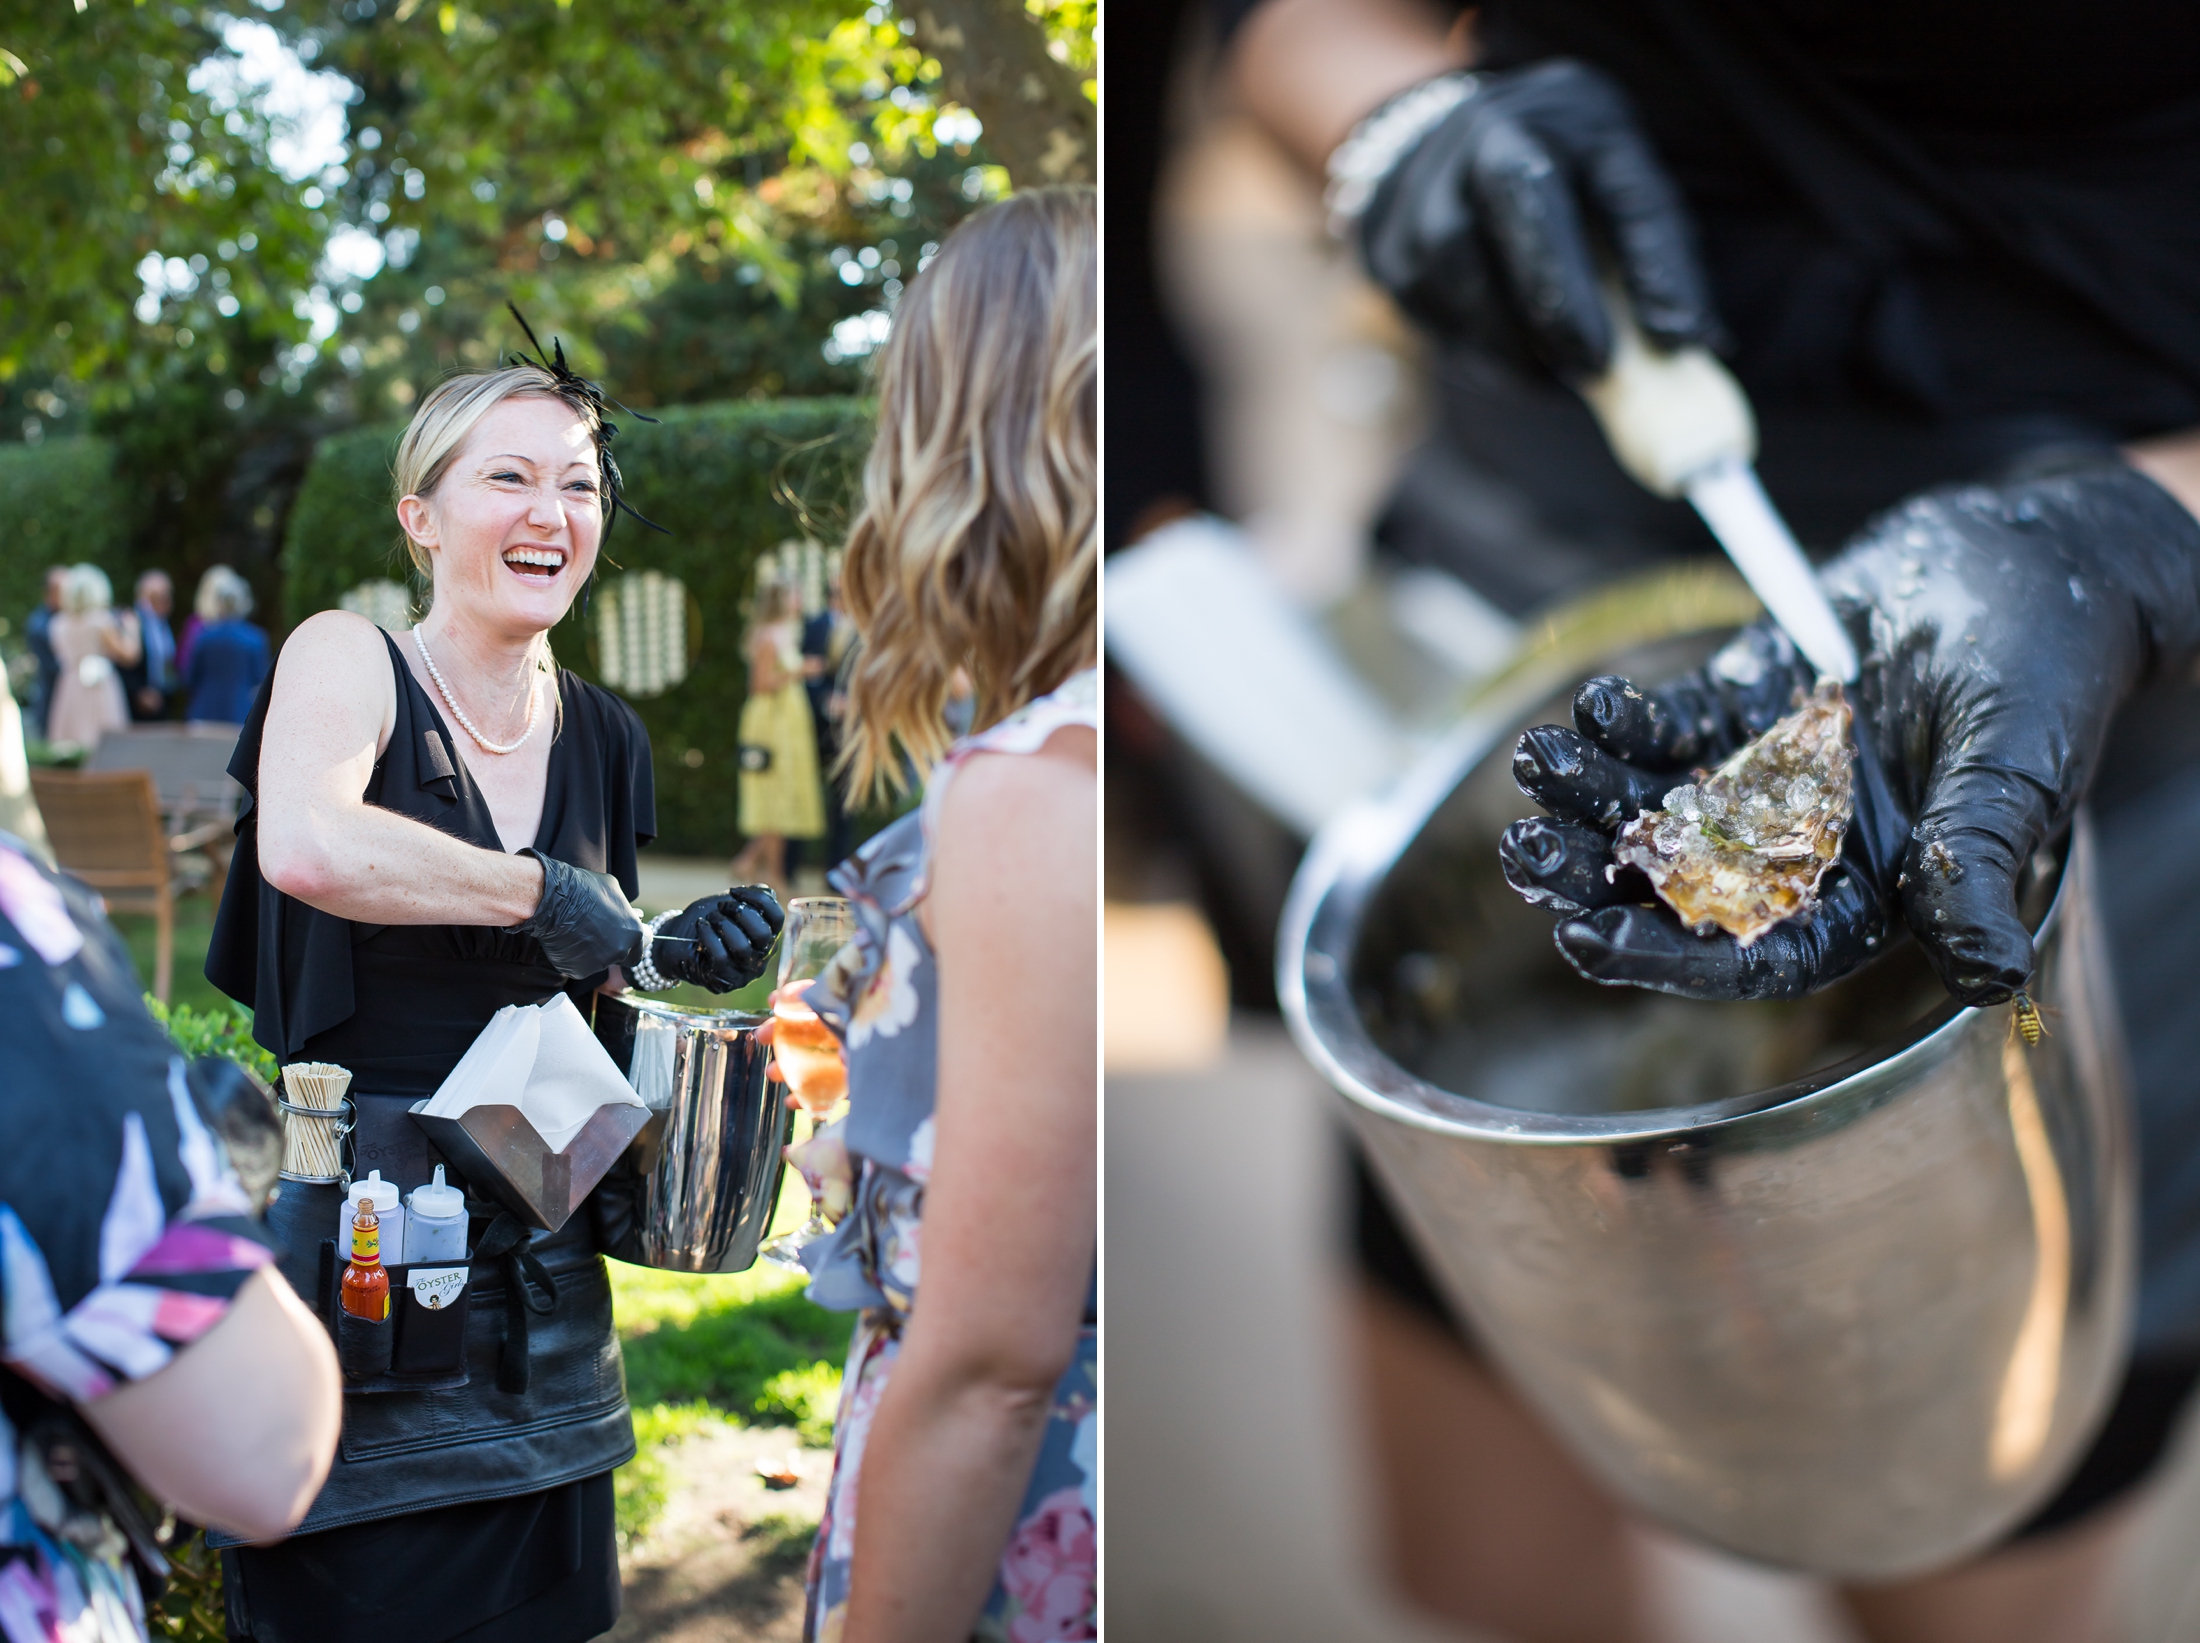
(366, 1287)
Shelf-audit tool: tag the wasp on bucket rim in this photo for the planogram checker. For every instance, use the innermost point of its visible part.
(2028, 1022)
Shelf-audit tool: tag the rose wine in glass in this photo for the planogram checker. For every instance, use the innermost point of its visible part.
(807, 1052)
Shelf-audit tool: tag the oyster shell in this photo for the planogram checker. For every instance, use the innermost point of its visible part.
(1744, 848)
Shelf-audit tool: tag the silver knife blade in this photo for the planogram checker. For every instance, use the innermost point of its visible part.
(1757, 539)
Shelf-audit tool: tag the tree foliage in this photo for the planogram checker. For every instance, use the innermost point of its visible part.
(617, 132)
(706, 199)
(114, 148)
(64, 508)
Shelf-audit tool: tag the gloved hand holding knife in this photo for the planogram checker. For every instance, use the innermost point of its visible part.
(720, 942)
(2000, 627)
(1987, 633)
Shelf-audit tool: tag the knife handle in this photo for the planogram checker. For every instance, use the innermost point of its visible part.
(1669, 416)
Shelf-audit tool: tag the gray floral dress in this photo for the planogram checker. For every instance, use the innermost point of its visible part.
(881, 998)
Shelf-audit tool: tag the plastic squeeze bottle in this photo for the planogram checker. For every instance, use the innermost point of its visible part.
(388, 1210)
(435, 1222)
(366, 1287)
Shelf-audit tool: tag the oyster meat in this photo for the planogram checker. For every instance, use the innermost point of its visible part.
(1744, 848)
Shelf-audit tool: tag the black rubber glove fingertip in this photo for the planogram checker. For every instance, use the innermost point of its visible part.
(1534, 844)
(1588, 951)
(1970, 931)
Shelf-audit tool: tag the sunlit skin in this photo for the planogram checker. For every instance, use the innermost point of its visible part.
(512, 532)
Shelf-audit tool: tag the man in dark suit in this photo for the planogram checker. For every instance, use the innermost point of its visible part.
(151, 679)
(41, 643)
(825, 641)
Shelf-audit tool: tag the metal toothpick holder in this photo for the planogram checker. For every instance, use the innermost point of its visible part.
(313, 1142)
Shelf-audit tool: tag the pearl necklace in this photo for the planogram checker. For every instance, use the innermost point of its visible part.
(534, 696)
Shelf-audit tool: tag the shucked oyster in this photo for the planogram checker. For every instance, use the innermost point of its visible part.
(1744, 848)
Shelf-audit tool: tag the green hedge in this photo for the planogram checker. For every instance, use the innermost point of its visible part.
(61, 506)
(728, 481)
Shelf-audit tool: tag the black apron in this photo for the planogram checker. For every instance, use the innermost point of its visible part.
(510, 1453)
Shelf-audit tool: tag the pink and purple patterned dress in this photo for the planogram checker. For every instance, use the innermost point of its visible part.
(881, 998)
(124, 1234)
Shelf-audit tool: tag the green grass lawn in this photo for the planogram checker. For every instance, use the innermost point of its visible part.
(747, 1349)
(194, 928)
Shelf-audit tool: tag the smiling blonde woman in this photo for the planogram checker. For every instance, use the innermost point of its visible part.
(444, 824)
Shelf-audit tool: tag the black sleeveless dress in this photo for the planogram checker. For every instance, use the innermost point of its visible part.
(481, 1512)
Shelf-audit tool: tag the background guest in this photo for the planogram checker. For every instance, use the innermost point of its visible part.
(37, 630)
(827, 638)
(782, 795)
(151, 679)
(187, 639)
(89, 637)
(229, 656)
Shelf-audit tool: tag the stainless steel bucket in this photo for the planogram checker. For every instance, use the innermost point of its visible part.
(708, 1162)
(1842, 1285)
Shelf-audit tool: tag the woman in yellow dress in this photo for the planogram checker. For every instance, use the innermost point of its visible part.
(781, 794)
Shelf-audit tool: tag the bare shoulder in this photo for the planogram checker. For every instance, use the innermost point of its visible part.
(333, 684)
(335, 639)
(1022, 818)
(1058, 785)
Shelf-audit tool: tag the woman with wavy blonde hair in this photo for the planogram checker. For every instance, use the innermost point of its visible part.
(962, 1500)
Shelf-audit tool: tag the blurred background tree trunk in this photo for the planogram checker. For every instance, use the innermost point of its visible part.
(994, 60)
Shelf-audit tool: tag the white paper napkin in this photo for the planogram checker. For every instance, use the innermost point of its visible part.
(542, 1059)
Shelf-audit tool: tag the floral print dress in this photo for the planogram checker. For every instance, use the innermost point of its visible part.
(881, 997)
(124, 1234)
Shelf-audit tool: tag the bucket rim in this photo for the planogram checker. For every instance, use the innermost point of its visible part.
(691, 1015)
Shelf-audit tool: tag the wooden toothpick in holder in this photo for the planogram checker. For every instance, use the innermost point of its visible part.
(313, 1142)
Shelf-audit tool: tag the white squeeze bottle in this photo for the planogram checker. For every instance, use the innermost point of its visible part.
(386, 1207)
(435, 1222)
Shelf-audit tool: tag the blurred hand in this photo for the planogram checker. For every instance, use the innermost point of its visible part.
(1478, 229)
(2000, 628)
(826, 1169)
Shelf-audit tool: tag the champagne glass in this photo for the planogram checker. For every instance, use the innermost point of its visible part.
(808, 1054)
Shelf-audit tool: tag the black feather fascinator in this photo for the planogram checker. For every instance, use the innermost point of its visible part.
(579, 392)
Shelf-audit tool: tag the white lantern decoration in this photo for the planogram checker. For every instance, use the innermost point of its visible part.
(386, 604)
(809, 565)
(642, 633)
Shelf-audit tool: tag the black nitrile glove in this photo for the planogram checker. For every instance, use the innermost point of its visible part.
(2000, 628)
(583, 920)
(1478, 230)
(720, 942)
